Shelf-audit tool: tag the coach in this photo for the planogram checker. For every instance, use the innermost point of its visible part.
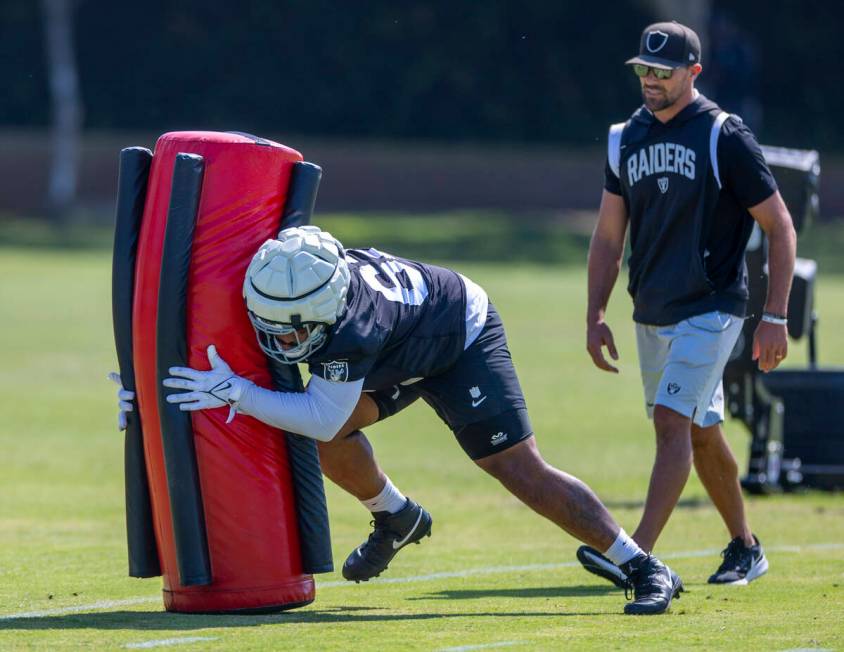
(690, 180)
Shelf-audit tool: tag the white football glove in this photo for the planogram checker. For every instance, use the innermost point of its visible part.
(125, 400)
(207, 389)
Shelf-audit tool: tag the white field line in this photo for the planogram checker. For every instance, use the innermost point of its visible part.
(162, 642)
(481, 646)
(80, 608)
(469, 572)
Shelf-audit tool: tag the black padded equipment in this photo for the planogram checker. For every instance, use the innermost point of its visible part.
(131, 195)
(189, 532)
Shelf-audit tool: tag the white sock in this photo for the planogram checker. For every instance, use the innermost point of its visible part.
(389, 499)
(623, 549)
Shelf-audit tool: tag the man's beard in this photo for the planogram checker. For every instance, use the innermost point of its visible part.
(658, 103)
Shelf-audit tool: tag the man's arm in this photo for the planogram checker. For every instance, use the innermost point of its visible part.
(770, 342)
(605, 252)
(318, 412)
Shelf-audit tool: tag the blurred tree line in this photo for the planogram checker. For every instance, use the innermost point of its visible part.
(501, 70)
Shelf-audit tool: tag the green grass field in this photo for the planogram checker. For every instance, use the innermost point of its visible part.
(493, 574)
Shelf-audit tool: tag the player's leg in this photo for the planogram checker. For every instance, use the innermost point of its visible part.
(556, 495)
(481, 400)
(574, 507)
(349, 461)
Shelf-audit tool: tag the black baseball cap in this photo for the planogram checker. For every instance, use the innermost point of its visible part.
(668, 46)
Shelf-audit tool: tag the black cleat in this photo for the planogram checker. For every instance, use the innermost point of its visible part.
(741, 564)
(654, 585)
(596, 563)
(392, 533)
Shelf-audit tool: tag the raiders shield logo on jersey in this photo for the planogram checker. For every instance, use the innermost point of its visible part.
(662, 182)
(337, 371)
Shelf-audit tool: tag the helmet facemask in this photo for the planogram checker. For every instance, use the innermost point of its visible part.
(268, 333)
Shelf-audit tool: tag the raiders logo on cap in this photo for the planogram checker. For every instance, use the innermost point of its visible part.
(668, 46)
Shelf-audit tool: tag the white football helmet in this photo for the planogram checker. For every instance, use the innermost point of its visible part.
(297, 282)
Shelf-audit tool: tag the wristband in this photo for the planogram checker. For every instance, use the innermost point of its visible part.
(773, 318)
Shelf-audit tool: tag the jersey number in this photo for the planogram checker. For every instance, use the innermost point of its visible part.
(393, 279)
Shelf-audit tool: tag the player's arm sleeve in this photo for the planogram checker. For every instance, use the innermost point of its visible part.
(745, 172)
(318, 412)
(611, 182)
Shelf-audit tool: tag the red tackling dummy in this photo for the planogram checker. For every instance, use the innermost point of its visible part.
(245, 480)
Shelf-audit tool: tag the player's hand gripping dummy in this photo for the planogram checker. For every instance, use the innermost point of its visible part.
(295, 290)
(206, 389)
(125, 400)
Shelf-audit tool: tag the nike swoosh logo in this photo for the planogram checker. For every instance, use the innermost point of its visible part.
(477, 403)
(396, 395)
(220, 388)
(399, 544)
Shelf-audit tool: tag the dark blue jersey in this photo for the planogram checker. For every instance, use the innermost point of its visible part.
(404, 320)
(687, 185)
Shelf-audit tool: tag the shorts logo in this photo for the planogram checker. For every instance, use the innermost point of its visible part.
(662, 182)
(673, 388)
(498, 438)
(337, 371)
(477, 399)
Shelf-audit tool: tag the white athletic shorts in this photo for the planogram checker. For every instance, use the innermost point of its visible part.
(682, 364)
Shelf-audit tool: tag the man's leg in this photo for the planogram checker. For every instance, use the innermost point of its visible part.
(557, 496)
(743, 558)
(481, 401)
(691, 384)
(672, 377)
(718, 471)
(349, 461)
(574, 507)
(669, 475)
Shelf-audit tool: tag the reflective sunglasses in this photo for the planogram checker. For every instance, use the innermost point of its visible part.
(642, 70)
